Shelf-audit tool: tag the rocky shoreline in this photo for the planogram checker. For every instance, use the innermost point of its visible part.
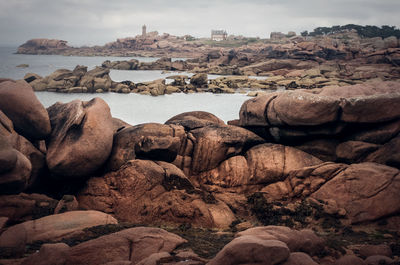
(296, 63)
(309, 176)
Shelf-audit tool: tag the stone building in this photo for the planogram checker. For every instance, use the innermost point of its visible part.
(218, 35)
(144, 30)
(277, 36)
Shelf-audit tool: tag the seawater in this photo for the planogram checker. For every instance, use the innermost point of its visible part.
(132, 108)
(44, 65)
(136, 109)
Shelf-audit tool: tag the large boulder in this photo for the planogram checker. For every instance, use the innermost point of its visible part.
(25, 207)
(261, 165)
(81, 139)
(370, 109)
(52, 228)
(199, 80)
(20, 104)
(268, 252)
(55, 254)
(367, 191)
(387, 154)
(15, 170)
(195, 119)
(134, 245)
(14, 145)
(299, 258)
(96, 79)
(297, 240)
(289, 108)
(145, 191)
(147, 141)
(215, 143)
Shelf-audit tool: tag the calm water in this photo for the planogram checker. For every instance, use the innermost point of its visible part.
(136, 109)
(132, 108)
(46, 64)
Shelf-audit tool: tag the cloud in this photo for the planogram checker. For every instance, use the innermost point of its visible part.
(100, 21)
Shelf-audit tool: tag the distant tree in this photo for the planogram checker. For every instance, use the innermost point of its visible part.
(364, 31)
(304, 33)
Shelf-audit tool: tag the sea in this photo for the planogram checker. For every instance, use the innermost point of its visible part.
(131, 108)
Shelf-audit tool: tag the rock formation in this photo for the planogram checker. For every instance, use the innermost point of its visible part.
(322, 159)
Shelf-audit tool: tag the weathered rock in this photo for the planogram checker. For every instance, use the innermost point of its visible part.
(157, 258)
(12, 144)
(354, 151)
(81, 139)
(96, 79)
(300, 108)
(144, 191)
(372, 250)
(214, 144)
(378, 133)
(296, 240)
(66, 204)
(195, 119)
(360, 90)
(387, 154)
(324, 149)
(367, 191)
(299, 258)
(134, 244)
(149, 141)
(29, 77)
(199, 80)
(34, 46)
(119, 125)
(3, 222)
(15, 168)
(262, 164)
(350, 260)
(378, 260)
(55, 227)
(253, 111)
(55, 254)
(386, 107)
(268, 252)
(24, 207)
(289, 108)
(20, 104)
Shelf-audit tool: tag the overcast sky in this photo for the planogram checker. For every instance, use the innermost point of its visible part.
(89, 22)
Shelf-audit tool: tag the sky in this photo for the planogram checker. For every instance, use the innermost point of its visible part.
(97, 22)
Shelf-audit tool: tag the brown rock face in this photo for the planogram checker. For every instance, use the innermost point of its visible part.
(199, 80)
(387, 154)
(148, 141)
(53, 227)
(386, 107)
(214, 144)
(268, 252)
(25, 207)
(16, 179)
(367, 191)
(134, 245)
(296, 240)
(19, 103)
(144, 191)
(195, 119)
(299, 258)
(16, 148)
(81, 139)
(55, 254)
(300, 108)
(262, 164)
